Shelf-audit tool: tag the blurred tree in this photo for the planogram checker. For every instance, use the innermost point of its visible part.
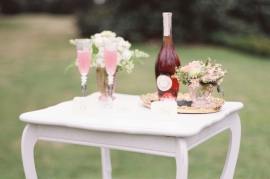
(68, 6)
(193, 20)
(41, 6)
(36, 5)
(135, 20)
(11, 6)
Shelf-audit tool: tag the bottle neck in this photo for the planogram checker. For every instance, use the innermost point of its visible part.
(167, 36)
(167, 28)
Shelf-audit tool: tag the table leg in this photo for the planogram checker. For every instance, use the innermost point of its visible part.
(106, 163)
(235, 136)
(181, 158)
(29, 139)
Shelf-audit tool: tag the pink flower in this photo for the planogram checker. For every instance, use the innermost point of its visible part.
(193, 68)
(207, 78)
(197, 71)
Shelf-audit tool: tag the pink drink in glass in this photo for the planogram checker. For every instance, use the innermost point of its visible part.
(84, 58)
(110, 61)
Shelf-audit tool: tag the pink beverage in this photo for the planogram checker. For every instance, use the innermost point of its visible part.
(110, 61)
(84, 58)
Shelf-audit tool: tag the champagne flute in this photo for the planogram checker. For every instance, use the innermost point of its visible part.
(110, 56)
(84, 49)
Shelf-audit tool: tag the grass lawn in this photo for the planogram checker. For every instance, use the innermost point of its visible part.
(34, 51)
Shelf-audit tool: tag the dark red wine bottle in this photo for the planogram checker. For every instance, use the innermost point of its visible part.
(167, 60)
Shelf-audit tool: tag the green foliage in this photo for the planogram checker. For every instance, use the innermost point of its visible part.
(72, 64)
(193, 21)
(48, 6)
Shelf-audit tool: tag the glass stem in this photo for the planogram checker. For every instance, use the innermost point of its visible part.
(110, 85)
(110, 91)
(84, 79)
(84, 90)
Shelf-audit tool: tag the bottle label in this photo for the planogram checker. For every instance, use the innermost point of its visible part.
(164, 82)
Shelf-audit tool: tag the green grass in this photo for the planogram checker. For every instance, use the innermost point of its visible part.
(252, 43)
(34, 52)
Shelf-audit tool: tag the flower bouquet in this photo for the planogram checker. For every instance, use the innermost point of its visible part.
(125, 59)
(201, 77)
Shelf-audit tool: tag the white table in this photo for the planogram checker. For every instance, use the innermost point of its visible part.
(172, 138)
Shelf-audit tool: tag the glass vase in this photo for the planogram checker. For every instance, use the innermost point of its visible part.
(102, 81)
(200, 94)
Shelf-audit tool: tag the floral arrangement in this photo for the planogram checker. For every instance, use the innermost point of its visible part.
(199, 73)
(126, 57)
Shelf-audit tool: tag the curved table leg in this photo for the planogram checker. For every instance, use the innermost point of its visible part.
(181, 158)
(106, 163)
(29, 139)
(235, 137)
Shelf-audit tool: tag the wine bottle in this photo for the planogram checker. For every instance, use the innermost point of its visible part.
(167, 61)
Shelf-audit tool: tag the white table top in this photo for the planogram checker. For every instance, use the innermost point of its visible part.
(184, 125)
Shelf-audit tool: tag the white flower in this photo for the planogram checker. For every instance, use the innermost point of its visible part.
(107, 34)
(98, 41)
(126, 57)
(123, 44)
(139, 54)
